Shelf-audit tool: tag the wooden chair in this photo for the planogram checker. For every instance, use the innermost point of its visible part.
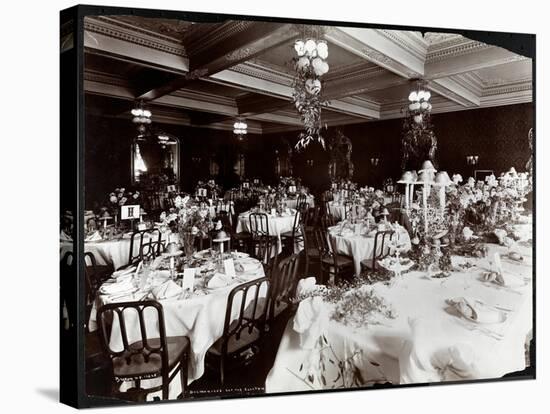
(301, 200)
(331, 263)
(310, 252)
(150, 245)
(265, 249)
(381, 249)
(95, 276)
(284, 281)
(291, 237)
(243, 329)
(159, 357)
(69, 293)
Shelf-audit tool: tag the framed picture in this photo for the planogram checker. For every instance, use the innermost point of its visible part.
(202, 303)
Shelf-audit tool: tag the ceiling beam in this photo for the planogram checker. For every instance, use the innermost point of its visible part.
(384, 48)
(466, 58)
(106, 39)
(452, 90)
(253, 103)
(243, 42)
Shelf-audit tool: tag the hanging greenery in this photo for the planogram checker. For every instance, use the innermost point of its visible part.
(310, 65)
(419, 142)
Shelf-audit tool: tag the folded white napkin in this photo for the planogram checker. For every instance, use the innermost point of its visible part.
(125, 285)
(311, 321)
(305, 286)
(167, 290)
(456, 362)
(476, 311)
(95, 236)
(247, 266)
(219, 280)
(122, 272)
(64, 236)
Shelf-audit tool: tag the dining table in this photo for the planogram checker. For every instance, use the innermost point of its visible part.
(113, 251)
(357, 240)
(292, 201)
(198, 313)
(278, 223)
(431, 328)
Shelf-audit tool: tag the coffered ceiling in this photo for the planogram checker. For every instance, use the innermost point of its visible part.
(207, 74)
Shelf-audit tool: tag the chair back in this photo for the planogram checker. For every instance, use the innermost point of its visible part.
(265, 250)
(93, 278)
(301, 199)
(68, 294)
(145, 244)
(246, 312)
(321, 242)
(284, 281)
(144, 350)
(259, 224)
(397, 198)
(381, 248)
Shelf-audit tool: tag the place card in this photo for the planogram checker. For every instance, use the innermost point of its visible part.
(142, 226)
(229, 267)
(188, 279)
(129, 212)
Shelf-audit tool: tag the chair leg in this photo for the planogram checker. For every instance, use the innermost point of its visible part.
(222, 372)
(165, 385)
(183, 375)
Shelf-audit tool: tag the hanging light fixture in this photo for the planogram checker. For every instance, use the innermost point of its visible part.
(419, 101)
(140, 114)
(240, 128)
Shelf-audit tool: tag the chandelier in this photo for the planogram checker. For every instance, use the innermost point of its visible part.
(310, 65)
(419, 102)
(240, 128)
(141, 117)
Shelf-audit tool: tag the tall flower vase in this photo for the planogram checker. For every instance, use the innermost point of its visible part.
(187, 239)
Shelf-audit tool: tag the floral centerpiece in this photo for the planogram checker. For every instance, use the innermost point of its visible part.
(118, 198)
(213, 190)
(189, 219)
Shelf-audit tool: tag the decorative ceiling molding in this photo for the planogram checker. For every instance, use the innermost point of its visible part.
(406, 42)
(219, 34)
(117, 30)
(458, 50)
(136, 24)
(378, 48)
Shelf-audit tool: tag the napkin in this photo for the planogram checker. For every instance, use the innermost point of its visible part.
(311, 321)
(122, 272)
(456, 362)
(219, 280)
(476, 311)
(65, 237)
(166, 290)
(305, 286)
(246, 266)
(95, 236)
(117, 288)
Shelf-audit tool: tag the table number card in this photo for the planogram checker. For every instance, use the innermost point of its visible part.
(246, 185)
(256, 181)
(292, 189)
(171, 188)
(188, 279)
(229, 267)
(129, 212)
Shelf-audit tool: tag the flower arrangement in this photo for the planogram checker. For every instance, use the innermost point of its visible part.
(120, 197)
(213, 190)
(188, 217)
(360, 306)
(310, 65)
(419, 141)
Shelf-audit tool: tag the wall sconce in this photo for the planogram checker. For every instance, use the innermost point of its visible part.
(309, 163)
(472, 159)
(375, 161)
(196, 160)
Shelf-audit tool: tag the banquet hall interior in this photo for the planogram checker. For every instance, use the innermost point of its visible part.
(275, 207)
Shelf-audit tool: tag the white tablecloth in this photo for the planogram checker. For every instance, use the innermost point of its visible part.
(277, 225)
(293, 202)
(361, 247)
(413, 347)
(200, 318)
(107, 252)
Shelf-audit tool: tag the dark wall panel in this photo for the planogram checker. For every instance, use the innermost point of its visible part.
(498, 135)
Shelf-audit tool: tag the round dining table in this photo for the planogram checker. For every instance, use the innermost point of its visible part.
(199, 315)
(357, 241)
(115, 252)
(277, 224)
